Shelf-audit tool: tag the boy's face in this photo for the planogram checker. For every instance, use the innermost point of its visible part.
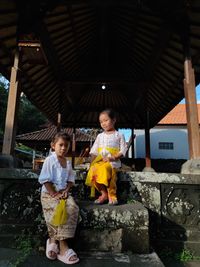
(61, 147)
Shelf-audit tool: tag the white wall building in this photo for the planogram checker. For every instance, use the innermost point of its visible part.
(169, 139)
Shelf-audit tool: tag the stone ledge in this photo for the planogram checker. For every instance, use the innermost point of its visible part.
(113, 228)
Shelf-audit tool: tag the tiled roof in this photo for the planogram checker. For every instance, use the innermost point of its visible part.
(48, 133)
(177, 115)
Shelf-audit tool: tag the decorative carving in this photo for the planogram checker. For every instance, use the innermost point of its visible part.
(180, 204)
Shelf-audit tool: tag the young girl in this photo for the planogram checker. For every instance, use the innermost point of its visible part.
(106, 152)
(57, 178)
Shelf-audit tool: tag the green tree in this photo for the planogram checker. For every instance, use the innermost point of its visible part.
(29, 117)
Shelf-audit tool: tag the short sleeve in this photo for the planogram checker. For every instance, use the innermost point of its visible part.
(94, 148)
(46, 174)
(71, 177)
(123, 145)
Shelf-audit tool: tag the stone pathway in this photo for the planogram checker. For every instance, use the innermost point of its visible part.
(87, 260)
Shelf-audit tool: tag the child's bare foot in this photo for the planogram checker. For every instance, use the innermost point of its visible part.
(102, 199)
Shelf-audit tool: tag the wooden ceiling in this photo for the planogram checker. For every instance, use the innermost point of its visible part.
(134, 48)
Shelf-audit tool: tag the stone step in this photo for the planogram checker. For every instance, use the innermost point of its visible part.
(86, 259)
(102, 228)
(113, 228)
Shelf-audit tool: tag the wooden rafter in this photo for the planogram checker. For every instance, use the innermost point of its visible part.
(52, 57)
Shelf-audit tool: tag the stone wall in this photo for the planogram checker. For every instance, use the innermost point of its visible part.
(173, 201)
(117, 228)
(170, 209)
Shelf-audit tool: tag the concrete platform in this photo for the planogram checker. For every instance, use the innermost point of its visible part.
(9, 256)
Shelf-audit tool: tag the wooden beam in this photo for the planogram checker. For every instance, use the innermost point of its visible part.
(133, 143)
(191, 110)
(12, 109)
(153, 61)
(103, 80)
(147, 143)
(52, 57)
(59, 123)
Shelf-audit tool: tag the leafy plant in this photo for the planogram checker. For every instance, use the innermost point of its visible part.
(183, 256)
(24, 245)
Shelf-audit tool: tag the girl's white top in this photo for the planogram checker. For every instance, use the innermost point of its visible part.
(114, 140)
(53, 172)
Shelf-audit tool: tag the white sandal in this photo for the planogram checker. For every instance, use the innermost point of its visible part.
(66, 257)
(51, 247)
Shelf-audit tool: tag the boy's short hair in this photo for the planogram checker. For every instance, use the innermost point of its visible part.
(59, 135)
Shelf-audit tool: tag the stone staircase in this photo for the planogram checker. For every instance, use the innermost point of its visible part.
(113, 228)
(102, 228)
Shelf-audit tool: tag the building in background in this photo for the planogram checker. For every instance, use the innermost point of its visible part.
(169, 139)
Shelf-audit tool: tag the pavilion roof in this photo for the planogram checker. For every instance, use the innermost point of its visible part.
(71, 48)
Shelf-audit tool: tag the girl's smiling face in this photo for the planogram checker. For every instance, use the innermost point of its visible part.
(61, 147)
(106, 122)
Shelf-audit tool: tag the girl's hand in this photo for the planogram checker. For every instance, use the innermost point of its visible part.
(105, 159)
(112, 158)
(109, 159)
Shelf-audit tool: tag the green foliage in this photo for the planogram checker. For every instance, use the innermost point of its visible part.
(24, 245)
(186, 255)
(29, 117)
(183, 256)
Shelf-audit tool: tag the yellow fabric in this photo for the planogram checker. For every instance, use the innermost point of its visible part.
(97, 159)
(60, 214)
(101, 172)
(112, 150)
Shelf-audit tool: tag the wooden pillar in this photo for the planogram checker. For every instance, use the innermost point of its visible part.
(147, 142)
(59, 122)
(133, 144)
(12, 109)
(191, 110)
(73, 147)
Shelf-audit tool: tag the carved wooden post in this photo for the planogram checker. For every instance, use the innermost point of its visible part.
(12, 109)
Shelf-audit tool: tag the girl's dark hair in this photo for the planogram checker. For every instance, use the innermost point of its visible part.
(59, 135)
(110, 112)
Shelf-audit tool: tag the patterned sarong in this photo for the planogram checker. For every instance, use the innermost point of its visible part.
(67, 230)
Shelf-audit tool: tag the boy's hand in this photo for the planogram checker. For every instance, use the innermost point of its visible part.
(65, 194)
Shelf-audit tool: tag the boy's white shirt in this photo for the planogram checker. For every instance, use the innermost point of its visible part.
(53, 172)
